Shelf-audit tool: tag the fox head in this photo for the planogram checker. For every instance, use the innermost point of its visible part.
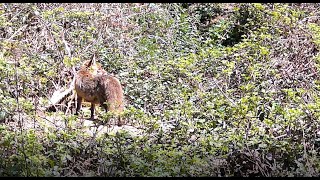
(91, 65)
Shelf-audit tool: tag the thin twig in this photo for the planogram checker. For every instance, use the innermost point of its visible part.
(215, 81)
(15, 33)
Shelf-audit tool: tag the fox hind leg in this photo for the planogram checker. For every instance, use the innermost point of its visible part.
(104, 105)
(119, 120)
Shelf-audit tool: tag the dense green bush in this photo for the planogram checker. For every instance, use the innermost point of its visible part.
(212, 89)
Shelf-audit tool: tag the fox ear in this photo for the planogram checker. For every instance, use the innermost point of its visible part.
(92, 61)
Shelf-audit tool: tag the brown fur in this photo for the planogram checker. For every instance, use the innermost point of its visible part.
(95, 85)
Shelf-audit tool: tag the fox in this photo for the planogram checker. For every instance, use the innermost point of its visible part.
(93, 84)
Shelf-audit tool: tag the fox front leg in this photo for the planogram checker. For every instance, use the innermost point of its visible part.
(92, 111)
(79, 101)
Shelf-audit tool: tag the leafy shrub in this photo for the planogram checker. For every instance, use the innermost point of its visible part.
(212, 89)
